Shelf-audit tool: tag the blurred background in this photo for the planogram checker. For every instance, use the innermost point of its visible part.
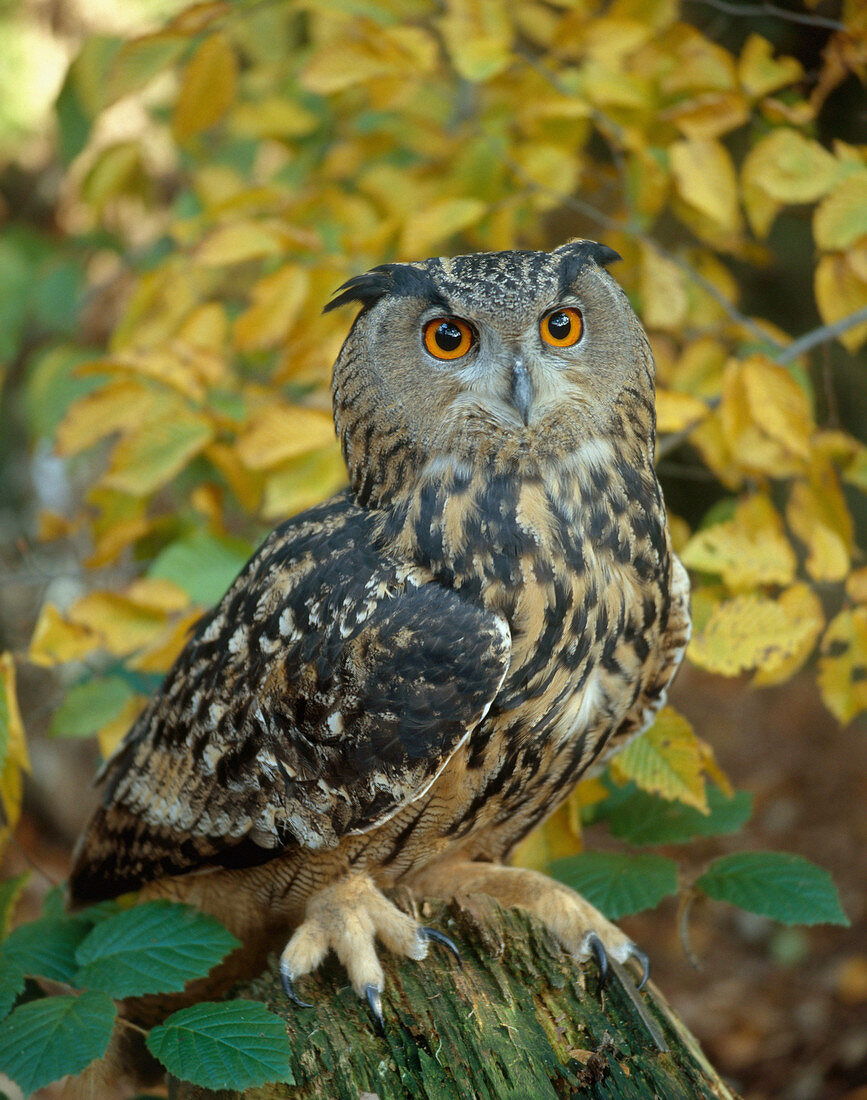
(181, 189)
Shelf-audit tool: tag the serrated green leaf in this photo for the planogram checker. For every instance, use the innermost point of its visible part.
(618, 884)
(233, 1044)
(202, 564)
(46, 947)
(642, 818)
(45, 1039)
(780, 885)
(156, 947)
(11, 984)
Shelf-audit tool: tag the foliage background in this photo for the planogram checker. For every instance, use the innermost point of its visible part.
(178, 206)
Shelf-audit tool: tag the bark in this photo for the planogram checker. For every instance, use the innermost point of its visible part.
(520, 1021)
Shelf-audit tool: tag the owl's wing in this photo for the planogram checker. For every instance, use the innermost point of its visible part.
(326, 692)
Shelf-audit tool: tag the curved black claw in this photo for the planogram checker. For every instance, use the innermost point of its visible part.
(598, 948)
(443, 940)
(289, 990)
(644, 962)
(374, 999)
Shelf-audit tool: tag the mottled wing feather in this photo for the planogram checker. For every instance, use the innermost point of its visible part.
(327, 690)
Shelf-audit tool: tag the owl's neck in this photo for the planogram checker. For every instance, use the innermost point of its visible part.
(477, 526)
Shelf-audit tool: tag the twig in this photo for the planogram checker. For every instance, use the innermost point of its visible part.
(821, 335)
(748, 10)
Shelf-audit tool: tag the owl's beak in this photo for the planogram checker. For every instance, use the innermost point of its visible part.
(522, 390)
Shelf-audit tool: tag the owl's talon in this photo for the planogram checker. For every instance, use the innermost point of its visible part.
(435, 936)
(643, 961)
(289, 989)
(595, 944)
(374, 999)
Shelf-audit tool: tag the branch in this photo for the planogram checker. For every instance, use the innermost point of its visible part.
(520, 1019)
(748, 10)
(821, 335)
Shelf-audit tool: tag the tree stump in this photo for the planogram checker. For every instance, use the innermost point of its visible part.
(521, 1020)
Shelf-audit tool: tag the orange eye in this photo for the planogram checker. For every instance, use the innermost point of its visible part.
(448, 337)
(562, 327)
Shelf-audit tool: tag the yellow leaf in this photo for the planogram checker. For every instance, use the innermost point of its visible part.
(818, 515)
(675, 411)
(748, 550)
(240, 241)
(766, 417)
(114, 407)
(760, 73)
(478, 37)
(700, 367)
(273, 116)
(281, 432)
(113, 732)
(612, 39)
(245, 484)
(188, 370)
(147, 458)
(662, 287)
(56, 639)
(555, 839)
(303, 481)
(160, 594)
(13, 750)
(801, 605)
(666, 760)
(161, 653)
(841, 289)
(710, 115)
(118, 170)
(277, 300)
(13, 744)
(753, 631)
(207, 88)
(841, 218)
(856, 585)
(206, 327)
(438, 221)
(784, 167)
(843, 664)
(121, 624)
(706, 179)
(693, 63)
(369, 51)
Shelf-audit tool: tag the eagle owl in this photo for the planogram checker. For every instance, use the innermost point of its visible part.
(405, 680)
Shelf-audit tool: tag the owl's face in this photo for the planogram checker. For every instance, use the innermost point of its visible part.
(494, 353)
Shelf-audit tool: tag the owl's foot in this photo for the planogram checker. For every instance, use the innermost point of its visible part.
(347, 917)
(578, 925)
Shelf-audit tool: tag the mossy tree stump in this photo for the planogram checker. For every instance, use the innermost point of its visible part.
(520, 1021)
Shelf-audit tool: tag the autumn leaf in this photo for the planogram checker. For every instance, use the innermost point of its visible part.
(207, 88)
(667, 759)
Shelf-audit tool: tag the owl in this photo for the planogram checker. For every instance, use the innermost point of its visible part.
(405, 680)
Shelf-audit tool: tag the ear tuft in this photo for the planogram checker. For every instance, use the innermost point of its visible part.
(365, 289)
(400, 280)
(577, 254)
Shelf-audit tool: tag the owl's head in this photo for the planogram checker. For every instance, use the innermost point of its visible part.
(498, 358)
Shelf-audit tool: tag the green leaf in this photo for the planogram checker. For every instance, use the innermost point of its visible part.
(89, 706)
(234, 1044)
(45, 1039)
(46, 947)
(642, 818)
(155, 947)
(618, 884)
(202, 564)
(11, 984)
(776, 884)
